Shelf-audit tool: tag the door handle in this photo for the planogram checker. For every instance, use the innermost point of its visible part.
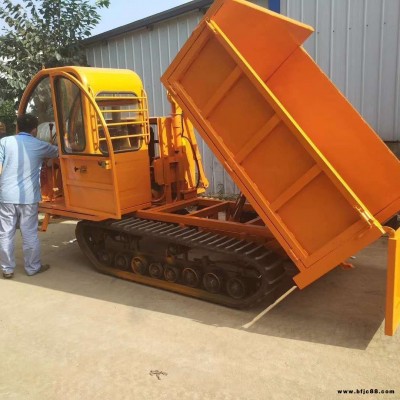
(104, 164)
(82, 169)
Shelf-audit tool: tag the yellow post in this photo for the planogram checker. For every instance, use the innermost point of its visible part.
(392, 317)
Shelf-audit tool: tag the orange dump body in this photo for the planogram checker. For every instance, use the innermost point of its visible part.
(317, 174)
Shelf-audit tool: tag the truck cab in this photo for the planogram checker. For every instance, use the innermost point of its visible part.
(99, 120)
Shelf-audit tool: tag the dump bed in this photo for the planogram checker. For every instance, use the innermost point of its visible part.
(317, 174)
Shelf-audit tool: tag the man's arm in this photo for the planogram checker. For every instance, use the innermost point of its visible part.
(50, 151)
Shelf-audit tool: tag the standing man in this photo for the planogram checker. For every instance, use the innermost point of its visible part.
(21, 157)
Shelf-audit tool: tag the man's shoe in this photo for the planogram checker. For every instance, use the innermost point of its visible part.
(43, 268)
(8, 275)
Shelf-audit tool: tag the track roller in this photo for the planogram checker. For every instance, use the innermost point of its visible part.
(191, 277)
(212, 282)
(236, 288)
(156, 270)
(122, 261)
(171, 273)
(139, 265)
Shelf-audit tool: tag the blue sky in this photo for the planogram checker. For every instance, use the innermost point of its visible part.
(122, 12)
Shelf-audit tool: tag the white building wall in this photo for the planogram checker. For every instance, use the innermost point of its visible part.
(357, 44)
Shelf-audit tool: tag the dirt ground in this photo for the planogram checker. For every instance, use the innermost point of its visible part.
(72, 333)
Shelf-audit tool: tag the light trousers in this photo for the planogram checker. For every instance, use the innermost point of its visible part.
(26, 217)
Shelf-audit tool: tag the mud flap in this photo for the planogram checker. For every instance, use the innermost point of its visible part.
(392, 317)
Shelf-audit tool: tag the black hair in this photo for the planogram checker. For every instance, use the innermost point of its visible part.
(27, 123)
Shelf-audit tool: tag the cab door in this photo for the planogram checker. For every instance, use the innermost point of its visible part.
(89, 178)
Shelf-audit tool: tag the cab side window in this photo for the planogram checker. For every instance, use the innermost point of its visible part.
(70, 115)
(40, 105)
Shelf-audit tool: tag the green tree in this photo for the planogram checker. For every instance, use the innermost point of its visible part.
(8, 115)
(42, 34)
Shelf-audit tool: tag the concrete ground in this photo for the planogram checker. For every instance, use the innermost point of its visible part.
(72, 333)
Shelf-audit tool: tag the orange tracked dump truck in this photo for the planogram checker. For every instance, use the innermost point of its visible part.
(317, 184)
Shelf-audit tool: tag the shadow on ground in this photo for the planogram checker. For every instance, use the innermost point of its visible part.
(344, 308)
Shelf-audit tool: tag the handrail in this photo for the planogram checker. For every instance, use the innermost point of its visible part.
(126, 123)
(135, 110)
(142, 118)
(97, 98)
(139, 135)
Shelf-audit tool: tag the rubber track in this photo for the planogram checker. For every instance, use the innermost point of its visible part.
(268, 264)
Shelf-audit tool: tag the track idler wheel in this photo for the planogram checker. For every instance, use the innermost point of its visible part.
(236, 288)
(212, 282)
(139, 265)
(122, 261)
(156, 270)
(191, 277)
(105, 257)
(171, 273)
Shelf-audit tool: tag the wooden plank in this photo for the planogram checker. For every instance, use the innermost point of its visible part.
(210, 210)
(255, 221)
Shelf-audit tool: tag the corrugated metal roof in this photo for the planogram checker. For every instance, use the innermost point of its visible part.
(149, 21)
